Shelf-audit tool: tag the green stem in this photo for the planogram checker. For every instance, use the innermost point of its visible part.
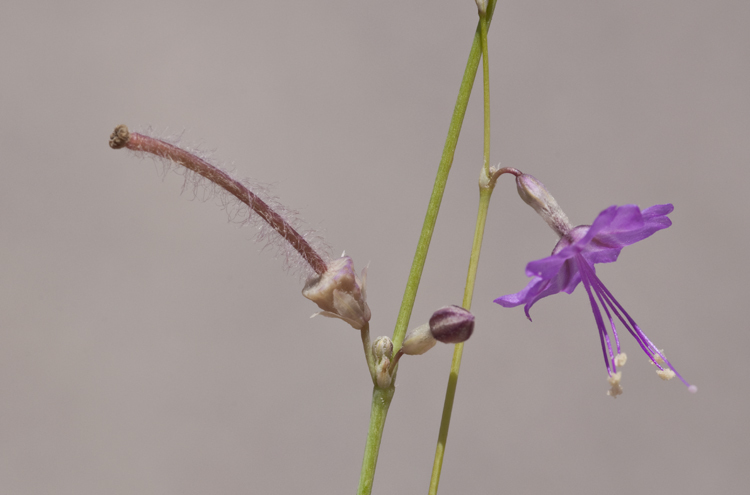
(486, 79)
(484, 201)
(381, 398)
(367, 345)
(381, 401)
(446, 161)
(486, 186)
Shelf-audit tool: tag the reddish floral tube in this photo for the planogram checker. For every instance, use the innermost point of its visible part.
(123, 138)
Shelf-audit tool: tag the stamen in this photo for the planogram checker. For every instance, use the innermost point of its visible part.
(648, 347)
(636, 335)
(595, 308)
(621, 359)
(666, 374)
(615, 387)
(592, 272)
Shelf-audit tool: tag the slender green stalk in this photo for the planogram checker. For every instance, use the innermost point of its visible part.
(486, 80)
(367, 346)
(450, 394)
(381, 398)
(446, 161)
(486, 186)
(381, 401)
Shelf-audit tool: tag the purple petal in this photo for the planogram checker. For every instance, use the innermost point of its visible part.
(601, 242)
(512, 300)
(627, 226)
(657, 211)
(602, 222)
(565, 279)
(546, 268)
(569, 276)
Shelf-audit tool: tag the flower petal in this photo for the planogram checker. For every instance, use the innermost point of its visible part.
(657, 211)
(535, 286)
(546, 268)
(565, 279)
(613, 229)
(627, 226)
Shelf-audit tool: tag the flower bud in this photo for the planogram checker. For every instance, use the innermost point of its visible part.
(534, 194)
(340, 293)
(382, 347)
(418, 340)
(451, 325)
(382, 350)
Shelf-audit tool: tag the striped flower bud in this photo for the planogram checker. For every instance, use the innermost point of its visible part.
(451, 325)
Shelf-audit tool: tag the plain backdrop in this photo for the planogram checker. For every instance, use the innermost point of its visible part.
(148, 346)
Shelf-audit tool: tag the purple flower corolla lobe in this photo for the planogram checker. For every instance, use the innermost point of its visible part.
(572, 262)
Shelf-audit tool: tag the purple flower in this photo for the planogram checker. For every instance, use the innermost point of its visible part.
(572, 261)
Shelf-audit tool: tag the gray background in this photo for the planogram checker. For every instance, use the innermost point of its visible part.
(146, 346)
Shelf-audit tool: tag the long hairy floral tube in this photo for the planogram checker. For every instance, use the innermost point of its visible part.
(123, 138)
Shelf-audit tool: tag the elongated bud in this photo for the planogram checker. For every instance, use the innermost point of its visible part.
(451, 325)
(536, 195)
(382, 351)
(418, 340)
(482, 6)
(340, 293)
